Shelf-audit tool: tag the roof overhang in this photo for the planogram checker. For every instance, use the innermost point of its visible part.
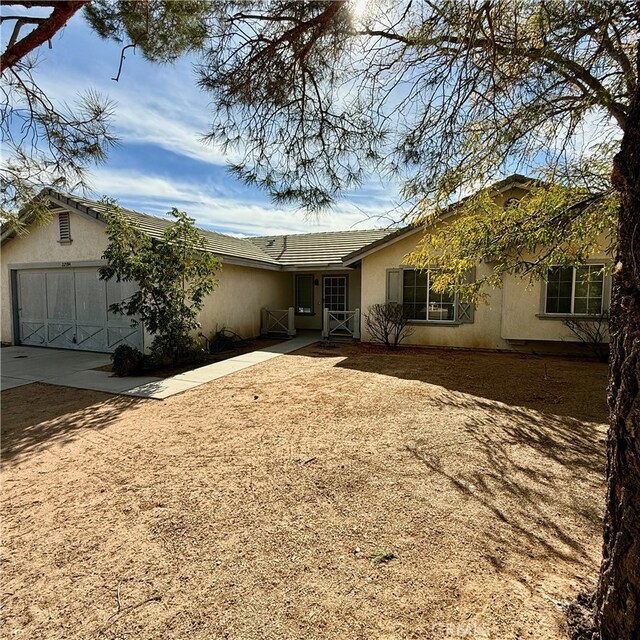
(512, 182)
(401, 234)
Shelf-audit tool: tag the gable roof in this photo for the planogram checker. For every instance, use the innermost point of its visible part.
(510, 182)
(285, 252)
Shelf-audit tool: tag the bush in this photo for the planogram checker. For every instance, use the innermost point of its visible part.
(224, 340)
(387, 323)
(592, 332)
(173, 350)
(127, 361)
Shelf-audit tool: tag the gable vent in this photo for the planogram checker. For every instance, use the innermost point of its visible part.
(65, 226)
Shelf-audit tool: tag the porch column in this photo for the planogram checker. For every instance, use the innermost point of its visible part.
(325, 322)
(291, 323)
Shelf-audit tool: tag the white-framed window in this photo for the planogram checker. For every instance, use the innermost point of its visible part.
(421, 302)
(413, 289)
(575, 290)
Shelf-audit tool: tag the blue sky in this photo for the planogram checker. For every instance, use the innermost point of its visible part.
(160, 163)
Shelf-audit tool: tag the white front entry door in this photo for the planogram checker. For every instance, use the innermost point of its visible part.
(334, 298)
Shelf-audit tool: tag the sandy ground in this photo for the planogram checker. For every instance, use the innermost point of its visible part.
(258, 505)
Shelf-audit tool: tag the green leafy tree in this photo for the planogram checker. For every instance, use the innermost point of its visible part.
(174, 275)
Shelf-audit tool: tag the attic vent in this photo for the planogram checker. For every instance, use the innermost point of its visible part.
(65, 227)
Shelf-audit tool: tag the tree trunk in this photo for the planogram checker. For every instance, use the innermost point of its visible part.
(618, 597)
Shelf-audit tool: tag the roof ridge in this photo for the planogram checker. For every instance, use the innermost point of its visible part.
(311, 233)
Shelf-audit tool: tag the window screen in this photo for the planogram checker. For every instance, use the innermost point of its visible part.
(572, 290)
(304, 294)
(421, 302)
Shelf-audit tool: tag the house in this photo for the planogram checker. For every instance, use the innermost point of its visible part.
(52, 295)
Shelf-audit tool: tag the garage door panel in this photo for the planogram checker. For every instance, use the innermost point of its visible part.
(91, 338)
(68, 309)
(60, 295)
(118, 292)
(61, 335)
(123, 335)
(33, 333)
(91, 298)
(31, 296)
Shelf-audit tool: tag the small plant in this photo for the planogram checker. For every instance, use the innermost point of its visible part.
(382, 557)
(224, 340)
(387, 323)
(127, 361)
(592, 331)
(168, 351)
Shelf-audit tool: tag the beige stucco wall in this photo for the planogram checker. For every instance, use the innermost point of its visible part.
(40, 246)
(241, 294)
(510, 316)
(483, 333)
(314, 322)
(235, 304)
(523, 310)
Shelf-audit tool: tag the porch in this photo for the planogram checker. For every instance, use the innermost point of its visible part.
(326, 302)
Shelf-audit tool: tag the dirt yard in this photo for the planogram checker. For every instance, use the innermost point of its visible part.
(331, 493)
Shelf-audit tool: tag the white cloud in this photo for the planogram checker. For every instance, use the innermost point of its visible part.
(226, 213)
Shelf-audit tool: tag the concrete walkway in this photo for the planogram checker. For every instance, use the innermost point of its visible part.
(67, 368)
(167, 387)
(25, 365)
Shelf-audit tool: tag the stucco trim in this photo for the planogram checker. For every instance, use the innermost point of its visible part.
(356, 256)
(21, 266)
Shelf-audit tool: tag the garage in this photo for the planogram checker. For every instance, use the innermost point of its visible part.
(68, 308)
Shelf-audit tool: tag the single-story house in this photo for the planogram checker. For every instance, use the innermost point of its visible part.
(52, 295)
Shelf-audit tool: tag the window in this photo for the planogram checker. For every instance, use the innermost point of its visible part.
(575, 290)
(421, 302)
(304, 294)
(64, 224)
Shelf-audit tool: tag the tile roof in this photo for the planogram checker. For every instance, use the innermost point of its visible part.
(296, 250)
(307, 249)
(217, 243)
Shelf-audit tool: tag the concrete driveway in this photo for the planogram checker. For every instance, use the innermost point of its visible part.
(25, 365)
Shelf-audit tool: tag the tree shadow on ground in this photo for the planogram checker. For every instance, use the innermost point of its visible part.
(561, 385)
(37, 416)
(532, 472)
(526, 446)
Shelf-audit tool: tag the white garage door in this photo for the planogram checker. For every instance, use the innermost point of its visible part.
(69, 309)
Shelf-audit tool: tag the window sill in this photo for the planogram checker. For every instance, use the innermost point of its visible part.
(567, 316)
(65, 241)
(435, 323)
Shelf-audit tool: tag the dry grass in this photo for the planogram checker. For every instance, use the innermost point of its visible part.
(332, 493)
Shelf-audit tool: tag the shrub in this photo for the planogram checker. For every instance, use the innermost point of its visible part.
(174, 275)
(224, 340)
(387, 323)
(127, 361)
(167, 350)
(592, 332)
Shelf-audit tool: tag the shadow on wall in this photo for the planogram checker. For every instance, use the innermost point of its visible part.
(39, 415)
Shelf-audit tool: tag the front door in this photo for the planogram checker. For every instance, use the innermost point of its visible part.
(334, 298)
